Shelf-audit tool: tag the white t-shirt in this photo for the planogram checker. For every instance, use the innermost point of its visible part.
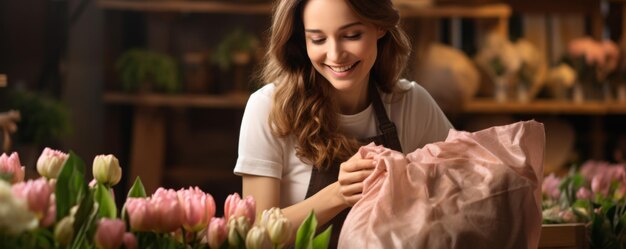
(417, 117)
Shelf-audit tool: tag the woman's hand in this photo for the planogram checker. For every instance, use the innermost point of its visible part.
(351, 176)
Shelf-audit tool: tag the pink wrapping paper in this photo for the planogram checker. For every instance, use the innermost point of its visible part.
(474, 190)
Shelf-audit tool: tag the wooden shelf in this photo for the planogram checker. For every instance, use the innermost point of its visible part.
(487, 106)
(187, 6)
(485, 11)
(233, 100)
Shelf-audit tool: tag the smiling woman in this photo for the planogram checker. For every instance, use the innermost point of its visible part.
(333, 71)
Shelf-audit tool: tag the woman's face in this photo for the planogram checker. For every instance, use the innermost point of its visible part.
(341, 47)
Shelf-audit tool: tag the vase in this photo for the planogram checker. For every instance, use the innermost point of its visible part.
(500, 89)
(578, 94)
(621, 93)
(522, 93)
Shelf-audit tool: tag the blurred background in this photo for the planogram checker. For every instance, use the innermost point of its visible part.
(163, 84)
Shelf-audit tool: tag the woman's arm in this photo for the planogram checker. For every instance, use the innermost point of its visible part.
(326, 203)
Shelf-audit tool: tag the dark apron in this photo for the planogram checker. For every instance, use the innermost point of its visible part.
(320, 178)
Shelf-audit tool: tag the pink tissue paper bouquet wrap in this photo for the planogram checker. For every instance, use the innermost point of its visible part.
(474, 190)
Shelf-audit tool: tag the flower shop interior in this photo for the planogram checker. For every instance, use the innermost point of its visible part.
(162, 85)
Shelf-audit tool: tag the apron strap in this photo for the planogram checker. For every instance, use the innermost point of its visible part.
(385, 126)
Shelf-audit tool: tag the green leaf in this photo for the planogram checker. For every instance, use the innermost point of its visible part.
(137, 190)
(84, 219)
(306, 231)
(70, 186)
(321, 241)
(106, 204)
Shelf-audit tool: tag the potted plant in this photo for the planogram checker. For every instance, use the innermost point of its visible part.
(237, 47)
(144, 70)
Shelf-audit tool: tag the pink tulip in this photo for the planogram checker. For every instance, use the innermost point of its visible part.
(198, 208)
(584, 194)
(600, 184)
(217, 232)
(51, 162)
(550, 186)
(140, 214)
(51, 214)
(235, 207)
(130, 241)
(167, 210)
(11, 165)
(246, 208)
(110, 233)
(230, 205)
(36, 193)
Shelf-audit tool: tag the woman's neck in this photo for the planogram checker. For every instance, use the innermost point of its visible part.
(354, 101)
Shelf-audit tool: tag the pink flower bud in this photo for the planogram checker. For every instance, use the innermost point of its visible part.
(198, 208)
(236, 207)
(50, 163)
(550, 186)
(110, 234)
(167, 210)
(217, 232)
(230, 205)
(583, 194)
(600, 184)
(140, 214)
(50, 216)
(11, 165)
(247, 208)
(36, 193)
(130, 242)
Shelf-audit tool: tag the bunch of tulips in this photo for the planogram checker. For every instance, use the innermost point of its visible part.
(61, 209)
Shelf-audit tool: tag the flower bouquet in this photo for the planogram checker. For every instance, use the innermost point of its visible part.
(61, 210)
(594, 62)
(593, 194)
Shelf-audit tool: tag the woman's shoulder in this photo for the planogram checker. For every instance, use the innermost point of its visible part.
(266, 91)
(406, 90)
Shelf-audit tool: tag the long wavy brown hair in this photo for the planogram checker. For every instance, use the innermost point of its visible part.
(302, 104)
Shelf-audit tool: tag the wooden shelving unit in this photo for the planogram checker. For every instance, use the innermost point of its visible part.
(485, 11)
(233, 100)
(186, 6)
(488, 106)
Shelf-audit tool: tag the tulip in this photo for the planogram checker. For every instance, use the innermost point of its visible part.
(110, 233)
(51, 214)
(129, 241)
(230, 205)
(583, 194)
(233, 237)
(198, 208)
(36, 193)
(50, 163)
(235, 207)
(277, 225)
(600, 184)
(247, 208)
(64, 231)
(15, 217)
(167, 210)
(550, 186)
(257, 238)
(217, 232)
(279, 231)
(107, 170)
(10, 165)
(140, 214)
